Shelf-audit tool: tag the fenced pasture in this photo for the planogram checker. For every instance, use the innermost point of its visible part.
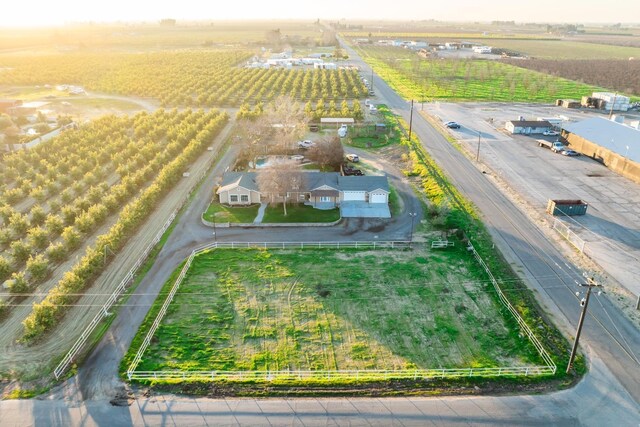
(369, 313)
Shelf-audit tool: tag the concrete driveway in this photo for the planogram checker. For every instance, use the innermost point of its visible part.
(357, 209)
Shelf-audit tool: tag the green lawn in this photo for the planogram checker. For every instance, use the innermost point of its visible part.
(299, 213)
(323, 309)
(220, 213)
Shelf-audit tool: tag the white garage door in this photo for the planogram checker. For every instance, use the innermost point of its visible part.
(378, 198)
(354, 195)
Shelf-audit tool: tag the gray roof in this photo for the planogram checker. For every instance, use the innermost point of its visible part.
(531, 123)
(611, 135)
(313, 181)
(363, 183)
(318, 179)
(243, 179)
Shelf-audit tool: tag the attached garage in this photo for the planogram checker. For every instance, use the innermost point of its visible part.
(378, 197)
(354, 196)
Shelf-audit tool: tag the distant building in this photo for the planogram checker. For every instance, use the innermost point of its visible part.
(527, 127)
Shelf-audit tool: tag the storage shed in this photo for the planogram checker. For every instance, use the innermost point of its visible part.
(527, 127)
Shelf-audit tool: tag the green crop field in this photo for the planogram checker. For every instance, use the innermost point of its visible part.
(561, 49)
(467, 80)
(324, 309)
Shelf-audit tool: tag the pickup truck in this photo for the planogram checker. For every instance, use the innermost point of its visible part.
(555, 146)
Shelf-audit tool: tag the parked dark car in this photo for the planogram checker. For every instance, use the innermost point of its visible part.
(569, 153)
(452, 125)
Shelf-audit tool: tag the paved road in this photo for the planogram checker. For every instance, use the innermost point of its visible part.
(607, 331)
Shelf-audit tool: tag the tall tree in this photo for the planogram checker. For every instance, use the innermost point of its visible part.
(327, 152)
(279, 180)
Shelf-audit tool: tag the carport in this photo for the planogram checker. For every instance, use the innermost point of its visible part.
(360, 209)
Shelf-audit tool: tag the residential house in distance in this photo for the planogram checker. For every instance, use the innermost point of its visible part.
(356, 196)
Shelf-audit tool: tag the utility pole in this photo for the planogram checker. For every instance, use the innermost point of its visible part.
(478, 152)
(584, 303)
(611, 109)
(372, 79)
(410, 120)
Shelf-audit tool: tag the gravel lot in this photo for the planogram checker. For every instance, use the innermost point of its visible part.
(532, 175)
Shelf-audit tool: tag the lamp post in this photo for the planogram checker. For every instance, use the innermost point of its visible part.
(478, 152)
(413, 216)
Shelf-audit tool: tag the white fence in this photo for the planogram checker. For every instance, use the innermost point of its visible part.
(104, 311)
(372, 375)
(566, 232)
(549, 369)
(523, 325)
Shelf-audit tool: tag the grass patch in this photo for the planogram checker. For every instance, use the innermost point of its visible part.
(394, 202)
(334, 309)
(467, 80)
(299, 213)
(221, 213)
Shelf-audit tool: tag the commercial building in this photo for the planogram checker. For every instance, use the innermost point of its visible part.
(614, 144)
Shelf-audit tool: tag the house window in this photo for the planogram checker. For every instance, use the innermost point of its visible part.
(325, 199)
(244, 198)
(233, 198)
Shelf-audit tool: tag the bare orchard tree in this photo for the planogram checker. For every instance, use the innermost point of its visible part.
(288, 121)
(280, 182)
(254, 134)
(328, 152)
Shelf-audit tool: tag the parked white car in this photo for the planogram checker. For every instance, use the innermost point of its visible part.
(342, 132)
(306, 144)
(550, 133)
(353, 158)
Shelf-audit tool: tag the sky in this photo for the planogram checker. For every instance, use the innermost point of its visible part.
(35, 13)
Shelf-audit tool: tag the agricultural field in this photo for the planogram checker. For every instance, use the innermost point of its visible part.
(562, 49)
(143, 38)
(620, 75)
(328, 309)
(95, 184)
(212, 78)
(467, 80)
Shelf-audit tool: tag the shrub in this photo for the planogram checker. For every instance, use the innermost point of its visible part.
(37, 267)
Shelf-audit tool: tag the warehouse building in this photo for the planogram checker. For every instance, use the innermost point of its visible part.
(614, 144)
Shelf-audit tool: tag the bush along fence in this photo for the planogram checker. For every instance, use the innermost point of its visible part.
(372, 375)
(78, 346)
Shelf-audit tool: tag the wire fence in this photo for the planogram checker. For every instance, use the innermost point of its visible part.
(77, 347)
(523, 325)
(132, 374)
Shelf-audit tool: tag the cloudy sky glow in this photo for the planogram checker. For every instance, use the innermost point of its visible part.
(41, 13)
